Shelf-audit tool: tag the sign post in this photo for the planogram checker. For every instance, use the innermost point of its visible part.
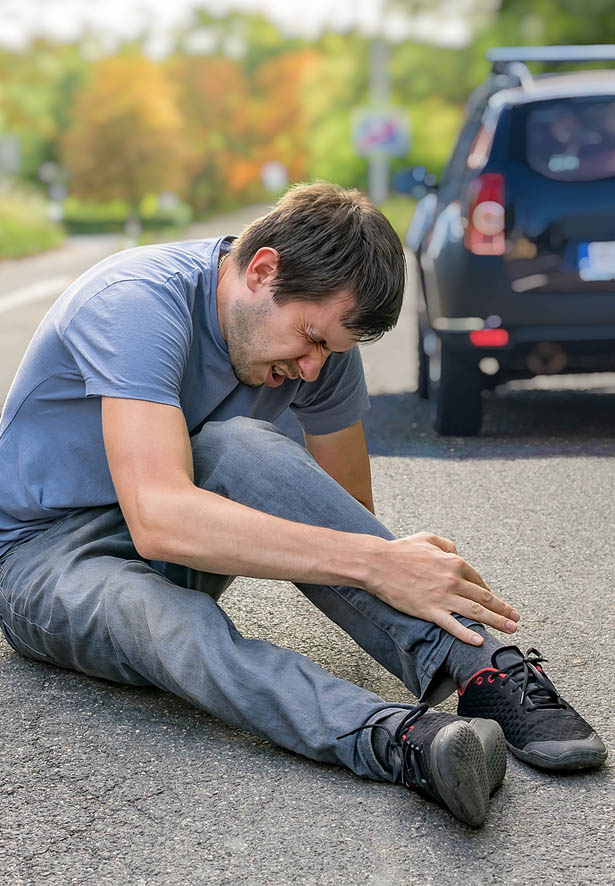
(378, 135)
(379, 131)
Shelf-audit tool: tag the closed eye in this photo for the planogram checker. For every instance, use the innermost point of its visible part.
(322, 342)
(315, 339)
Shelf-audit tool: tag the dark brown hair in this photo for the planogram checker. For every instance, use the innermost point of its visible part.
(330, 240)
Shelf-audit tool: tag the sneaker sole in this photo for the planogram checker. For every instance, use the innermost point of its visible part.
(566, 761)
(494, 746)
(459, 772)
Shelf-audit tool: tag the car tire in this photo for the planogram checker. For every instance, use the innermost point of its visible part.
(459, 400)
(423, 371)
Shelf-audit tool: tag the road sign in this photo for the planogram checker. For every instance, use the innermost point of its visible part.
(385, 132)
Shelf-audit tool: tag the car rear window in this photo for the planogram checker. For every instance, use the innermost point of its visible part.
(572, 140)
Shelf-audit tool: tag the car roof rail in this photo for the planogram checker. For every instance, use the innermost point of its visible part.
(510, 61)
(502, 56)
(509, 68)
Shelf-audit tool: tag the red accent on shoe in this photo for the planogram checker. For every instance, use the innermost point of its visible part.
(479, 681)
(491, 678)
(473, 677)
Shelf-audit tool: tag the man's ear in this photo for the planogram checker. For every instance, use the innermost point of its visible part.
(263, 268)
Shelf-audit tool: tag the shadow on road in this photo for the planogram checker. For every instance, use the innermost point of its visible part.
(521, 424)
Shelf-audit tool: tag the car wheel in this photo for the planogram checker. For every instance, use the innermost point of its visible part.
(459, 402)
(423, 374)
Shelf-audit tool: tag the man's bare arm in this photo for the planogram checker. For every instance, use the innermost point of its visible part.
(171, 519)
(343, 455)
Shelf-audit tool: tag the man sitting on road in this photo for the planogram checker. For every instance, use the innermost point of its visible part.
(139, 470)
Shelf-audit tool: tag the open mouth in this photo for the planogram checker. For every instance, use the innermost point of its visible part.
(275, 376)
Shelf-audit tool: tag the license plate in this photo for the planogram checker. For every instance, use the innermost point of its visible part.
(597, 260)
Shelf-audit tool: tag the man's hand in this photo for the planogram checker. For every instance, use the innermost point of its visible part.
(422, 575)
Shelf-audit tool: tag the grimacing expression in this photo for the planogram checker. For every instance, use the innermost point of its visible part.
(268, 342)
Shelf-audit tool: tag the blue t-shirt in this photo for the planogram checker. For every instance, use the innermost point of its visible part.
(142, 324)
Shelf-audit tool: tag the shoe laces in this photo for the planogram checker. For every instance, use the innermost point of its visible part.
(414, 772)
(534, 683)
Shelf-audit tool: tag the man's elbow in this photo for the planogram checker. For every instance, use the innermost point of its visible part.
(146, 540)
(150, 528)
(146, 546)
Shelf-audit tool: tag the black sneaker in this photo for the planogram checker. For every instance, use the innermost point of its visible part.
(541, 728)
(447, 760)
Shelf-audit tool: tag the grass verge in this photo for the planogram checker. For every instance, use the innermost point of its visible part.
(24, 229)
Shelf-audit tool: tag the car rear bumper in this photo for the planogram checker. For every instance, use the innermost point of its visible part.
(458, 284)
(544, 349)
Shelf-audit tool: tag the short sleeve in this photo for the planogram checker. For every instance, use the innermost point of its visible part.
(337, 399)
(132, 340)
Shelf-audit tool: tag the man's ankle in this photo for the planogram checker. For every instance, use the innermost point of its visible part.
(463, 660)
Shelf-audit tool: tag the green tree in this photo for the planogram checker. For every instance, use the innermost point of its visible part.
(36, 88)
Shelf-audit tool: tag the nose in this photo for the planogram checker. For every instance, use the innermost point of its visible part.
(310, 364)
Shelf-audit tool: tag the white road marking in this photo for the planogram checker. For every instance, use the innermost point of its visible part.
(35, 292)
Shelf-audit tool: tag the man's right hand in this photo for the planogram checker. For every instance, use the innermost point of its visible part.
(422, 575)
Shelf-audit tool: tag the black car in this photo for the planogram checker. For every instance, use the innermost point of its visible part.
(516, 249)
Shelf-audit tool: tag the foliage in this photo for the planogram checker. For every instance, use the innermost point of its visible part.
(435, 123)
(334, 90)
(24, 229)
(212, 97)
(556, 21)
(36, 88)
(236, 93)
(126, 134)
(235, 124)
(86, 216)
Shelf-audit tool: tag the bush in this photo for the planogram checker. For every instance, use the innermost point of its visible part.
(24, 228)
(87, 217)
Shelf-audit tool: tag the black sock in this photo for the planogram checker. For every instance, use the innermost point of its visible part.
(464, 660)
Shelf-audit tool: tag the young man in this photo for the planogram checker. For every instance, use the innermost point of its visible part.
(139, 470)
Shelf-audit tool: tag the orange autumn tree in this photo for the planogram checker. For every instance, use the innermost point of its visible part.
(281, 118)
(215, 101)
(126, 137)
(237, 123)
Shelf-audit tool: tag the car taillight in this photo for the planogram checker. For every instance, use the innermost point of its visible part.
(489, 338)
(485, 231)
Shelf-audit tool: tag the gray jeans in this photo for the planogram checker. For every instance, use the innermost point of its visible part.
(78, 595)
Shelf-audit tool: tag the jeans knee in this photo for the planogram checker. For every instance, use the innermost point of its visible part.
(240, 445)
(237, 433)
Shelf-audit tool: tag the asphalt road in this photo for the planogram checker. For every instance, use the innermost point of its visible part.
(106, 784)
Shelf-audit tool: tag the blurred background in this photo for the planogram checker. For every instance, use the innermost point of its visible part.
(144, 115)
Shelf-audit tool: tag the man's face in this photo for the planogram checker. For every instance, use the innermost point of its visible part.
(268, 342)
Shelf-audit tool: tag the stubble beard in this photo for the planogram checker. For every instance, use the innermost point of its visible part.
(244, 337)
